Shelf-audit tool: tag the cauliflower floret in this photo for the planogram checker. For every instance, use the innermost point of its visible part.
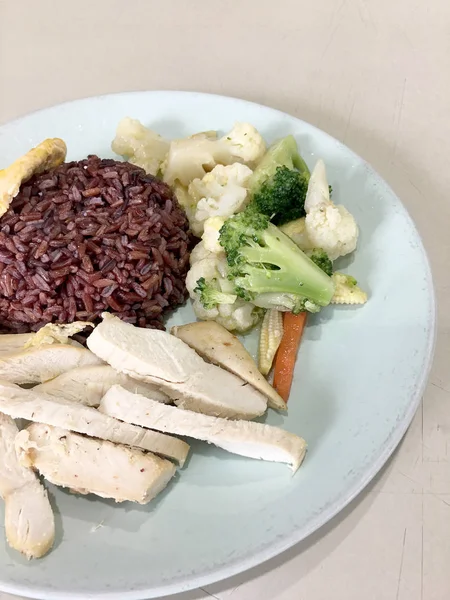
(199, 252)
(246, 143)
(328, 226)
(139, 145)
(192, 158)
(211, 233)
(207, 268)
(240, 316)
(237, 316)
(222, 192)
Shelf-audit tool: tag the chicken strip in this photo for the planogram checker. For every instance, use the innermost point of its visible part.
(45, 156)
(41, 363)
(254, 440)
(218, 345)
(43, 408)
(157, 357)
(11, 343)
(88, 466)
(29, 520)
(87, 385)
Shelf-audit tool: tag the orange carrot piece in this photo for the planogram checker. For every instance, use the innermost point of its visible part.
(287, 352)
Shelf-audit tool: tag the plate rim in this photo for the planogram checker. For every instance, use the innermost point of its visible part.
(267, 553)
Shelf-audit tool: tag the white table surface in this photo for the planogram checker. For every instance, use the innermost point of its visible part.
(376, 75)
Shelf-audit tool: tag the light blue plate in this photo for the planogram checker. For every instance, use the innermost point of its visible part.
(359, 378)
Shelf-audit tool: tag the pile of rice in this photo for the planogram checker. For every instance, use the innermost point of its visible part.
(91, 236)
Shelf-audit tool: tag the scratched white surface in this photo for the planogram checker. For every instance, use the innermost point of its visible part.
(376, 75)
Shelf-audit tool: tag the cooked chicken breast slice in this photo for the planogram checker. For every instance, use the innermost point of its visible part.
(29, 520)
(14, 342)
(219, 346)
(254, 440)
(39, 364)
(87, 385)
(160, 358)
(88, 466)
(47, 155)
(43, 408)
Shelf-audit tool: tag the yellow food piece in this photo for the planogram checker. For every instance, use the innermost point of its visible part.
(269, 339)
(56, 334)
(346, 291)
(47, 155)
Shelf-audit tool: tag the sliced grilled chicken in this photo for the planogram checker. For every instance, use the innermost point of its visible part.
(217, 345)
(160, 358)
(43, 408)
(39, 364)
(11, 343)
(87, 385)
(254, 440)
(88, 466)
(29, 521)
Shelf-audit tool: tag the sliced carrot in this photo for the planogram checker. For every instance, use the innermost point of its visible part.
(293, 326)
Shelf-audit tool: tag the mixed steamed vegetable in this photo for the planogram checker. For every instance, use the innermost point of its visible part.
(269, 232)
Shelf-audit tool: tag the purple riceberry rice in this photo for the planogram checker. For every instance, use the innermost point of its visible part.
(90, 236)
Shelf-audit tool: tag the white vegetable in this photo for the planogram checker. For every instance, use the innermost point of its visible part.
(139, 145)
(346, 290)
(245, 143)
(210, 237)
(239, 317)
(192, 158)
(207, 268)
(199, 252)
(328, 226)
(269, 339)
(222, 192)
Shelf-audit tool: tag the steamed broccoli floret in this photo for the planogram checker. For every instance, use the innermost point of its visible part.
(282, 197)
(322, 260)
(262, 261)
(210, 296)
(279, 183)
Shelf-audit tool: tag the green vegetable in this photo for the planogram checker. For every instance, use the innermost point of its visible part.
(210, 296)
(279, 183)
(322, 260)
(283, 153)
(282, 196)
(267, 267)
